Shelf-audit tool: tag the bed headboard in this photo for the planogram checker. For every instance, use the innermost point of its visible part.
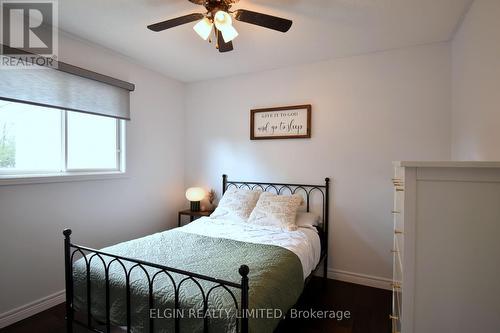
(307, 190)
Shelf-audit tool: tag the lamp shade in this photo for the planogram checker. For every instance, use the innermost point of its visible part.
(229, 33)
(195, 194)
(224, 23)
(203, 28)
(222, 20)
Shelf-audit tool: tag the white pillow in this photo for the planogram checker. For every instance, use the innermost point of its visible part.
(236, 204)
(307, 220)
(276, 211)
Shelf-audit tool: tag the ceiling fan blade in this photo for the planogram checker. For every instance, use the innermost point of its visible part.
(175, 22)
(223, 46)
(263, 20)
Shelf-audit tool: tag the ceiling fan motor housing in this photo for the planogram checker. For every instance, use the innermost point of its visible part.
(213, 6)
(205, 2)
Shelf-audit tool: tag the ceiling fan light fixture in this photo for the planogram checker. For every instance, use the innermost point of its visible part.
(222, 19)
(224, 23)
(203, 28)
(229, 33)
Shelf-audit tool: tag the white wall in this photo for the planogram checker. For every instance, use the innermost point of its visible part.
(367, 111)
(100, 213)
(476, 81)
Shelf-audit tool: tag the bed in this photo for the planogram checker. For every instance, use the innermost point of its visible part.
(212, 275)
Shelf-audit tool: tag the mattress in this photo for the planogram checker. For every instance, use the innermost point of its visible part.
(304, 242)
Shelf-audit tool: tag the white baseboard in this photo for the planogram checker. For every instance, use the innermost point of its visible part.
(362, 279)
(30, 309)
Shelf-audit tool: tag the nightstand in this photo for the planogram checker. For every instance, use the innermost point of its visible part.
(192, 215)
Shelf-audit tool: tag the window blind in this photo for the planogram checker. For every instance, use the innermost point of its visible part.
(67, 87)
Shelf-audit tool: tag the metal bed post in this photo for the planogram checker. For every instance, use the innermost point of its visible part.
(224, 184)
(244, 270)
(69, 280)
(326, 214)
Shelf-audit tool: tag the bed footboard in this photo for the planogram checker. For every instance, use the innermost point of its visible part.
(69, 253)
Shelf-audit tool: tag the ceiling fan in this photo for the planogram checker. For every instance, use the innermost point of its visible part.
(219, 19)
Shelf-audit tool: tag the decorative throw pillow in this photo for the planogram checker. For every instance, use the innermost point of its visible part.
(276, 211)
(236, 204)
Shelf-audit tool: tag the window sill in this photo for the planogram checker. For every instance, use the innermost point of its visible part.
(59, 177)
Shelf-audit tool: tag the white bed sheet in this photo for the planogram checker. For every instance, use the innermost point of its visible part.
(304, 242)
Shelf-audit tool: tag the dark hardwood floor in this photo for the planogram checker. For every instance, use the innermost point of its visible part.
(369, 310)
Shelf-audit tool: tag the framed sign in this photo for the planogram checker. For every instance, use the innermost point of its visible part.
(289, 122)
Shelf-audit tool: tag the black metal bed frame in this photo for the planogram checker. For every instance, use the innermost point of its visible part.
(70, 249)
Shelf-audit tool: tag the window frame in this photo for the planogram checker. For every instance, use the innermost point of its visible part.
(13, 177)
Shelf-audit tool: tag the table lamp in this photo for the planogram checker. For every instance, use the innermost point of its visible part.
(195, 195)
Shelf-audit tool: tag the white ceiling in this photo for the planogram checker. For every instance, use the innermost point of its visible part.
(322, 29)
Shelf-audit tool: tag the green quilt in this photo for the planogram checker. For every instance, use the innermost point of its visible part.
(275, 279)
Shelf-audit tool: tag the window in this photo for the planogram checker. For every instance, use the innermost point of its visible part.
(37, 140)
(99, 151)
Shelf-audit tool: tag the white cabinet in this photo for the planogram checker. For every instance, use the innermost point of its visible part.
(446, 248)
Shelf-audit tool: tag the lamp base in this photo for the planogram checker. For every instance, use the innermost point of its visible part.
(195, 206)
